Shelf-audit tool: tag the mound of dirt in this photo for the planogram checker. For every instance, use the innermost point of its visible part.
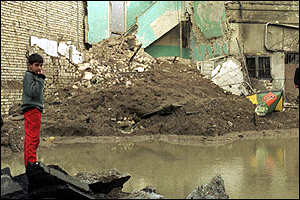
(169, 99)
(138, 95)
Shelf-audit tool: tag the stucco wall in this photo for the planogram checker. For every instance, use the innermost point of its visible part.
(252, 38)
(168, 45)
(278, 70)
(210, 33)
(53, 20)
(98, 21)
(159, 19)
(135, 9)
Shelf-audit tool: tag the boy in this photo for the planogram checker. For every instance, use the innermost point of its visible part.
(32, 107)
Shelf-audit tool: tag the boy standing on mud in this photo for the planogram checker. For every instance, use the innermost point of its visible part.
(32, 107)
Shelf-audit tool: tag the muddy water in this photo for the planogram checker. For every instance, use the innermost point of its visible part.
(256, 168)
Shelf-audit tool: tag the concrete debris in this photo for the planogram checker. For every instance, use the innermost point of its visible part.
(53, 182)
(9, 188)
(213, 190)
(229, 76)
(146, 193)
(104, 182)
(109, 62)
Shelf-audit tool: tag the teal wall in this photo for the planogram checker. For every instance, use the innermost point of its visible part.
(145, 34)
(134, 9)
(206, 51)
(208, 17)
(98, 20)
(164, 50)
(155, 19)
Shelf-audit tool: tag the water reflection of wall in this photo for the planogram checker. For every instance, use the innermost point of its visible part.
(274, 165)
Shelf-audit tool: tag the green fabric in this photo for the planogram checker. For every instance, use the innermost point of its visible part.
(32, 94)
(262, 107)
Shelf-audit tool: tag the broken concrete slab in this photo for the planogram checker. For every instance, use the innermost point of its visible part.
(213, 190)
(61, 192)
(9, 188)
(50, 176)
(146, 193)
(229, 76)
(47, 182)
(104, 182)
(53, 182)
(101, 187)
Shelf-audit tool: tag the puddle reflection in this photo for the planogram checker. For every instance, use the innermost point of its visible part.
(267, 168)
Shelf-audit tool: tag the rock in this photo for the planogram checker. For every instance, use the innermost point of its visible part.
(213, 190)
(88, 76)
(9, 188)
(140, 69)
(145, 193)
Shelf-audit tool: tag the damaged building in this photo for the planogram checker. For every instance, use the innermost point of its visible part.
(260, 38)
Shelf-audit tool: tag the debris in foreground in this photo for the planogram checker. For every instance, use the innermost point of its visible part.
(213, 190)
(53, 182)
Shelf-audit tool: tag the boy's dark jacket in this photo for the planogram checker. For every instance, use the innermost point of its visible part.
(32, 96)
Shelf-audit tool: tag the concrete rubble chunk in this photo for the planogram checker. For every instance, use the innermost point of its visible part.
(53, 182)
(105, 181)
(148, 192)
(213, 190)
(111, 61)
(9, 188)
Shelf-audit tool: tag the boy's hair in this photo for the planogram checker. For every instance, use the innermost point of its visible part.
(34, 58)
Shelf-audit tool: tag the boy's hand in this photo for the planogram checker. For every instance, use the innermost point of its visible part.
(40, 72)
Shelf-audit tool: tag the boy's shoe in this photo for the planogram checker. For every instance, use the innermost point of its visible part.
(33, 170)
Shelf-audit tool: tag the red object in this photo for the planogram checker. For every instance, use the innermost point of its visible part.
(269, 98)
(32, 126)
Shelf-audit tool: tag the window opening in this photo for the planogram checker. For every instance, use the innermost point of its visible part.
(250, 62)
(264, 68)
(291, 58)
(259, 67)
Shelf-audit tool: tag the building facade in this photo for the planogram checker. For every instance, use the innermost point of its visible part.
(23, 21)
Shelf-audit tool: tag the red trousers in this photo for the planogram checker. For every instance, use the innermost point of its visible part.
(32, 126)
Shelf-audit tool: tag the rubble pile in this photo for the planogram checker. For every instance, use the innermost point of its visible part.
(113, 61)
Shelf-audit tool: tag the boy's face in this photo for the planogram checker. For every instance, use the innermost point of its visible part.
(36, 67)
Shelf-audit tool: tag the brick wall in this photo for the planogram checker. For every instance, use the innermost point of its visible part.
(53, 20)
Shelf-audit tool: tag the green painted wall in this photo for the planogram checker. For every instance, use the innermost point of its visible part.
(204, 51)
(207, 39)
(196, 55)
(161, 51)
(134, 9)
(156, 21)
(98, 20)
(209, 16)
